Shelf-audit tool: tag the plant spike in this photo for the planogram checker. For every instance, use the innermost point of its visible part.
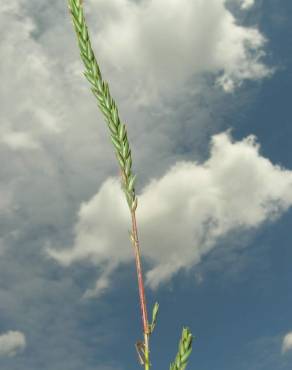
(106, 104)
(184, 351)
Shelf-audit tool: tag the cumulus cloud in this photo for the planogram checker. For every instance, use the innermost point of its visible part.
(140, 37)
(28, 109)
(287, 343)
(182, 215)
(11, 343)
(140, 54)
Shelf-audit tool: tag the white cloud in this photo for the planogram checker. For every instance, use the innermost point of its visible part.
(48, 108)
(183, 214)
(11, 343)
(287, 343)
(140, 39)
(29, 103)
(246, 4)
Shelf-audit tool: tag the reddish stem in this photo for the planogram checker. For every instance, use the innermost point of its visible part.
(139, 270)
(140, 275)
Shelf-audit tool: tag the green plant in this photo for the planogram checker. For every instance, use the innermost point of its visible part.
(120, 141)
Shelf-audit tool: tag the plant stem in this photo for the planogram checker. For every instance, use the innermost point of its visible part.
(142, 295)
(141, 289)
(139, 274)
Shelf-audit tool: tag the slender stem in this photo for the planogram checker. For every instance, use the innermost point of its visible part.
(146, 342)
(139, 273)
(141, 290)
(140, 285)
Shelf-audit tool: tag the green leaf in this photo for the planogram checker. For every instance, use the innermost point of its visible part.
(155, 311)
(154, 317)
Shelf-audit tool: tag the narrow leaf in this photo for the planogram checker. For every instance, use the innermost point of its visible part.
(154, 313)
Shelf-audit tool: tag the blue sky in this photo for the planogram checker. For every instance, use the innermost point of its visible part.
(193, 81)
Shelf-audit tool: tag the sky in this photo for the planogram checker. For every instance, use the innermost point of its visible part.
(204, 90)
